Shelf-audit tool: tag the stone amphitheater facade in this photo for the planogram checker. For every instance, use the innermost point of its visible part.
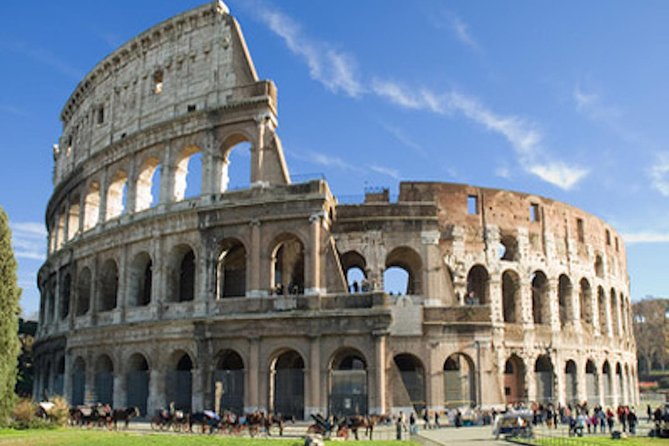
(240, 299)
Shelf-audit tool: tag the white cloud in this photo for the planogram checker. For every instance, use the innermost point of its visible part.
(389, 171)
(334, 69)
(403, 139)
(559, 174)
(461, 30)
(646, 237)
(523, 136)
(13, 110)
(591, 105)
(659, 173)
(503, 172)
(28, 240)
(45, 57)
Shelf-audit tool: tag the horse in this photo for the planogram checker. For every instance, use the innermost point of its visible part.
(206, 419)
(277, 419)
(124, 415)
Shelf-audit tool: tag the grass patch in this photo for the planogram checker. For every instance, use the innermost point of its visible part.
(601, 441)
(82, 437)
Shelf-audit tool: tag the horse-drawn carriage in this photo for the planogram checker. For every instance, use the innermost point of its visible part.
(514, 424)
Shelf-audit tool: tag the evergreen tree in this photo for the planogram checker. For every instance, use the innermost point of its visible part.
(9, 320)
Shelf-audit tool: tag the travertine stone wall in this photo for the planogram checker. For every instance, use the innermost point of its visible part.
(148, 288)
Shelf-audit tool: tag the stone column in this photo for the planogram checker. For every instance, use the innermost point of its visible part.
(251, 400)
(495, 295)
(104, 184)
(530, 377)
(89, 386)
(67, 379)
(131, 189)
(157, 389)
(313, 279)
(434, 391)
(581, 381)
(554, 305)
(379, 406)
(253, 266)
(313, 397)
(524, 310)
(167, 176)
(120, 384)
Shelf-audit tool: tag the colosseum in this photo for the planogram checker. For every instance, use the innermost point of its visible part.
(162, 287)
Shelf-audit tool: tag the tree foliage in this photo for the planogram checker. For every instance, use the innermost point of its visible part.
(9, 321)
(649, 331)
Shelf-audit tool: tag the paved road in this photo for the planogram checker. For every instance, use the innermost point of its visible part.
(466, 436)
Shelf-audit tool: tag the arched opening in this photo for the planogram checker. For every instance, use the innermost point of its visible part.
(599, 266)
(104, 380)
(615, 311)
(182, 274)
(608, 384)
(137, 394)
(108, 285)
(409, 390)
(188, 174)
(514, 380)
(540, 300)
(348, 384)
(288, 266)
(140, 280)
(236, 169)
(571, 382)
(508, 248)
(601, 306)
(477, 286)
(354, 266)
(180, 382)
(403, 273)
(78, 382)
(116, 195)
(459, 381)
(229, 383)
(73, 218)
(543, 371)
(84, 292)
(231, 269)
(585, 300)
(149, 174)
(65, 292)
(59, 379)
(510, 295)
(288, 385)
(619, 381)
(564, 299)
(92, 206)
(591, 383)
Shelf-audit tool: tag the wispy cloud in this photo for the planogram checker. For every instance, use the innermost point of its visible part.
(13, 110)
(593, 107)
(403, 139)
(44, 57)
(524, 136)
(28, 240)
(335, 69)
(659, 173)
(461, 31)
(646, 237)
(503, 172)
(389, 171)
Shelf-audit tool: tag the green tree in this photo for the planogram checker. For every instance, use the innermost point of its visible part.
(9, 321)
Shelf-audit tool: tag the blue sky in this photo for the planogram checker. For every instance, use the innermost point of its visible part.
(564, 99)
